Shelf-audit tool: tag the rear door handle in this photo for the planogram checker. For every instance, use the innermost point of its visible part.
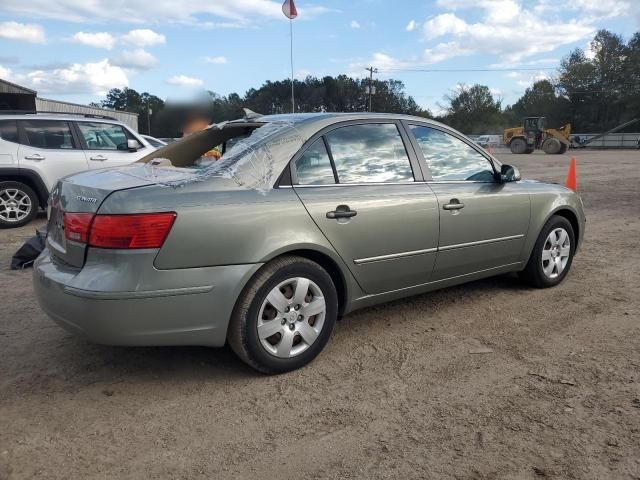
(98, 158)
(35, 156)
(342, 211)
(454, 204)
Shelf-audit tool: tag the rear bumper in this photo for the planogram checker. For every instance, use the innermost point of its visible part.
(116, 300)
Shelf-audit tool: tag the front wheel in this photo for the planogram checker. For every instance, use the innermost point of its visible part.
(18, 204)
(284, 316)
(518, 146)
(552, 254)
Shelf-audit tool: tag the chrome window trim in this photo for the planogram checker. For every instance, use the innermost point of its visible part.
(393, 256)
(427, 182)
(372, 184)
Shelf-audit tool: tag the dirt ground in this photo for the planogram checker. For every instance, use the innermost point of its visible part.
(396, 394)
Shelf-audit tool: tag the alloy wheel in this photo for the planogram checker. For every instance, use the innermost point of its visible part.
(291, 317)
(15, 205)
(555, 252)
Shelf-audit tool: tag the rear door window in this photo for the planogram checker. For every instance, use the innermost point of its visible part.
(51, 134)
(369, 153)
(104, 136)
(9, 130)
(314, 166)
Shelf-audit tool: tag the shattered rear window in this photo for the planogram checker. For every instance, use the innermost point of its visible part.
(257, 160)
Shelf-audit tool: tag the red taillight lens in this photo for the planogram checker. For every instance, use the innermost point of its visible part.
(146, 230)
(76, 226)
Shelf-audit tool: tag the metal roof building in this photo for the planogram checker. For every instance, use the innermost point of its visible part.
(18, 98)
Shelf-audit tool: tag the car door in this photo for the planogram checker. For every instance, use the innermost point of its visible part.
(49, 148)
(105, 144)
(483, 221)
(364, 191)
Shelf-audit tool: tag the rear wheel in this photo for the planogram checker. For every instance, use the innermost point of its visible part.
(552, 146)
(528, 151)
(518, 146)
(18, 204)
(552, 254)
(563, 148)
(285, 315)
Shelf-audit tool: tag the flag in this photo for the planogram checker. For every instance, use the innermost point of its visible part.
(289, 9)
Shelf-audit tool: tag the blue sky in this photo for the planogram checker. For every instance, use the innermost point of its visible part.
(75, 50)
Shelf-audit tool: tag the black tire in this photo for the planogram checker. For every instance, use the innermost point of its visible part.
(518, 146)
(243, 327)
(552, 146)
(563, 148)
(23, 190)
(533, 273)
(528, 151)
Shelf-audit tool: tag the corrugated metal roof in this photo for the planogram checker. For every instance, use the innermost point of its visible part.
(8, 87)
(47, 105)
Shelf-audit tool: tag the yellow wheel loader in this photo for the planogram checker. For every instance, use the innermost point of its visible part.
(534, 134)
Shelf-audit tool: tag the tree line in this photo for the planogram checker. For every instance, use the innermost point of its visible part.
(593, 92)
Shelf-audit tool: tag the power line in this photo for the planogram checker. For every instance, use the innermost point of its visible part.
(453, 70)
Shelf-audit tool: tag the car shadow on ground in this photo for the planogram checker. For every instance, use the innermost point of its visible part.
(85, 363)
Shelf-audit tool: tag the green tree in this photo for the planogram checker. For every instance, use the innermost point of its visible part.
(540, 100)
(473, 110)
(128, 99)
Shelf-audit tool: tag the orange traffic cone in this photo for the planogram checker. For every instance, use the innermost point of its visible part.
(572, 181)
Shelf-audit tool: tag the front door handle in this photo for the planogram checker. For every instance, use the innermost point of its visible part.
(35, 156)
(342, 211)
(98, 158)
(454, 204)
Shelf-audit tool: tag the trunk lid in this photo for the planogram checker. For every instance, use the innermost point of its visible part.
(85, 192)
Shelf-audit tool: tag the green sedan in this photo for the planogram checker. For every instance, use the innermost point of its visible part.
(304, 219)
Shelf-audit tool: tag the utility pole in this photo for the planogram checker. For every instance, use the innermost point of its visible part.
(371, 89)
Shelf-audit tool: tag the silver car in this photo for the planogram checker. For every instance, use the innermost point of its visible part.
(305, 218)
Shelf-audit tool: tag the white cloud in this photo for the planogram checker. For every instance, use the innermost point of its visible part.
(497, 33)
(146, 12)
(219, 60)
(185, 81)
(447, 23)
(411, 26)
(94, 78)
(138, 59)
(96, 40)
(26, 32)
(540, 61)
(134, 38)
(5, 72)
(355, 24)
(143, 37)
(597, 8)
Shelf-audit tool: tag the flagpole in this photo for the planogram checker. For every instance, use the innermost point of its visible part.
(293, 105)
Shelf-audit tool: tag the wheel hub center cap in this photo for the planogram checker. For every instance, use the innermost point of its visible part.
(292, 316)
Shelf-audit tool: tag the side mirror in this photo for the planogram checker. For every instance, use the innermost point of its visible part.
(509, 173)
(133, 145)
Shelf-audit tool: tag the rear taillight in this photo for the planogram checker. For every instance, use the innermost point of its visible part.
(145, 230)
(76, 226)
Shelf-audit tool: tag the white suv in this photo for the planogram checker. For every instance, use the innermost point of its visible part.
(38, 149)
